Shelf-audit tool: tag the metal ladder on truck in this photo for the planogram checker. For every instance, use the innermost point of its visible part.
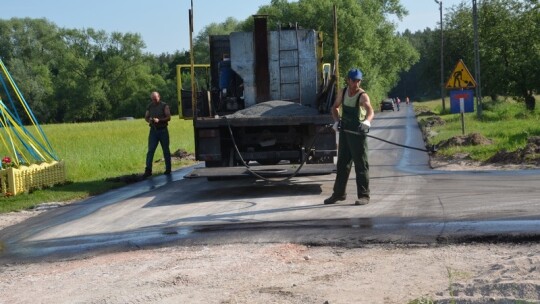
(289, 66)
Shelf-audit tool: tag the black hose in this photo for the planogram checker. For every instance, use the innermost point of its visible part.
(432, 149)
(305, 157)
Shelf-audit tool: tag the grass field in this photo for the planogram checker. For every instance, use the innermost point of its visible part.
(507, 123)
(94, 152)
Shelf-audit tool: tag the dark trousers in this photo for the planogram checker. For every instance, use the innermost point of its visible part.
(352, 148)
(155, 137)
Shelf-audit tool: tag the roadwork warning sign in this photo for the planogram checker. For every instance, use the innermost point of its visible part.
(460, 78)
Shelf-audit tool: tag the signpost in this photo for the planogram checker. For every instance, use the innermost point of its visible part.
(460, 78)
(462, 102)
(462, 96)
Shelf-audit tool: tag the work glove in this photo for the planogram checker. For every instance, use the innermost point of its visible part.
(364, 126)
(335, 126)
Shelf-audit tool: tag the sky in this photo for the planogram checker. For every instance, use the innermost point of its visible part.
(163, 24)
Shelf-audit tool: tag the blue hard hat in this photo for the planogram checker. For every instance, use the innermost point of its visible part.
(355, 74)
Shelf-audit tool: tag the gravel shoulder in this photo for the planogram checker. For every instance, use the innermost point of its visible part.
(283, 273)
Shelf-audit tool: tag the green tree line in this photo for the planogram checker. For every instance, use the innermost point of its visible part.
(509, 50)
(75, 75)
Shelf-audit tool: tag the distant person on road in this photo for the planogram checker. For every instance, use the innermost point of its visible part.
(407, 100)
(398, 102)
(158, 115)
(356, 116)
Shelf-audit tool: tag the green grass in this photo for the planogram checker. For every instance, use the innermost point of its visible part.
(507, 123)
(96, 152)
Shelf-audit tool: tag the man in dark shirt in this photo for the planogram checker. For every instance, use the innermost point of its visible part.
(157, 115)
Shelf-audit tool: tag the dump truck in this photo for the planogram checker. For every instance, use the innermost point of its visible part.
(264, 104)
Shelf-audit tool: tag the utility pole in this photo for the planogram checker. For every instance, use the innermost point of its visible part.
(477, 62)
(442, 57)
(192, 63)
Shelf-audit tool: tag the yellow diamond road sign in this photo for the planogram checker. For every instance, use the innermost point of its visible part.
(460, 78)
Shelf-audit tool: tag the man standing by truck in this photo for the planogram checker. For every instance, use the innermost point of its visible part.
(356, 116)
(158, 115)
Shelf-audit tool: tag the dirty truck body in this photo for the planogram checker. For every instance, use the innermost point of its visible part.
(266, 100)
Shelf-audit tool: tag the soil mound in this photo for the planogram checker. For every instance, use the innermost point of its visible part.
(183, 154)
(424, 112)
(433, 121)
(473, 139)
(530, 154)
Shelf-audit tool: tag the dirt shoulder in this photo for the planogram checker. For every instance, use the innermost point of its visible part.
(280, 273)
(465, 164)
(284, 273)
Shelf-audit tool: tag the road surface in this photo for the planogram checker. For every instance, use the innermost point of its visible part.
(410, 203)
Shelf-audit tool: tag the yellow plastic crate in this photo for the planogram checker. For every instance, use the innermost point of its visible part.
(14, 181)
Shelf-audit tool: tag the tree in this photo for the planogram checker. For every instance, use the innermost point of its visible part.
(422, 80)
(27, 47)
(84, 75)
(69, 75)
(366, 39)
(201, 43)
(103, 76)
(511, 55)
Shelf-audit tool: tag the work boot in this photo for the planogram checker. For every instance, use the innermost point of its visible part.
(334, 198)
(362, 201)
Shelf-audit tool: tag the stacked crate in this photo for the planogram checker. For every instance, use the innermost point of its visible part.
(23, 179)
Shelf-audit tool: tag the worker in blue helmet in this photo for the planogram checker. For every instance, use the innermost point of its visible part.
(354, 122)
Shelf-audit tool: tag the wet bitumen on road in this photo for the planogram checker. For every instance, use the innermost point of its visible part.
(410, 204)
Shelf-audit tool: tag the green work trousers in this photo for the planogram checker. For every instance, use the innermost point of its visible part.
(352, 148)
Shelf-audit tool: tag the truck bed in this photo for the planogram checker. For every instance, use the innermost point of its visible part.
(209, 122)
